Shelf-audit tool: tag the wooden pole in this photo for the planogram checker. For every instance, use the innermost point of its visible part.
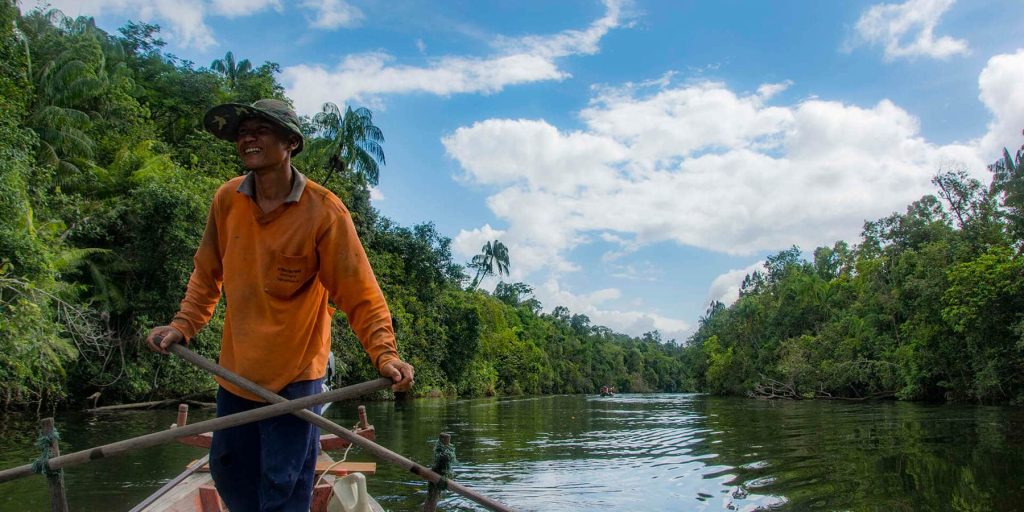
(182, 415)
(434, 493)
(282, 406)
(328, 425)
(58, 500)
(362, 417)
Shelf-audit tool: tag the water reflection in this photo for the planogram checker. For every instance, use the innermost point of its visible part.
(630, 452)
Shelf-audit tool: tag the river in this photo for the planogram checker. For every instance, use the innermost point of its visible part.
(629, 452)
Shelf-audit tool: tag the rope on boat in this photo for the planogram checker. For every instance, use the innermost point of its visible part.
(444, 458)
(42, 464)
(343, 457)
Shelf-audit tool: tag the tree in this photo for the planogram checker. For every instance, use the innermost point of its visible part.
(352, 142)
(1008, 184)
(493, 259)
(65, 85)
(232, 71)
(517, 294)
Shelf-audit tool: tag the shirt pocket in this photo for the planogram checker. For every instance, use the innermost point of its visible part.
(289, 274)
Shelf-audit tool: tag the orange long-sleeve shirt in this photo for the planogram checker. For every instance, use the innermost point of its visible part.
(277, 270)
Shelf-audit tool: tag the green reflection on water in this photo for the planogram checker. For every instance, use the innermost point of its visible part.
(638, 452)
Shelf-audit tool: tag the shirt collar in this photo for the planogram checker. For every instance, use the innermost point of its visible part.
(248, 186)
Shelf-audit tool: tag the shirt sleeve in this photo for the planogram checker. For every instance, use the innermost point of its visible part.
(346, 274)
(204, 286)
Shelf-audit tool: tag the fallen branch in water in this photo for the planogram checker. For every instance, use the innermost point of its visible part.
(189, 399)
(771, 389)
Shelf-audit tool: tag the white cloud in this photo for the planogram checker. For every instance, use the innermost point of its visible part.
(569, 42)
(626, 247)
(332, 14)
(631, 322)
(908, 29)
(705, 166)
(184, 19)
(366, 76)
(530, 151)
(237, 8)
(726, 287)
(1002, 92)
(470, 242)
(767, 91)
(676, 122)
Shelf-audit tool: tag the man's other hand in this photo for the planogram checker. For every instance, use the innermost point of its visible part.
(400, 372)
(162, 337)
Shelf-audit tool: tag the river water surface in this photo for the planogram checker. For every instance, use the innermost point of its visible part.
(629, 452)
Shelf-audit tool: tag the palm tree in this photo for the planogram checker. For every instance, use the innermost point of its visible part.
(353, 142)
(231, 70)
(493, 259)
(63, 87)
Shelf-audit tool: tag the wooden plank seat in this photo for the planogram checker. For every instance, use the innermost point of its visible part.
(330, 467)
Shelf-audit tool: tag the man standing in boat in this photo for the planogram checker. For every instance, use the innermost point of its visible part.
(281, 246)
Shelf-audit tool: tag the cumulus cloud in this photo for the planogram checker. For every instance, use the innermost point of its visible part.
(236, 8)
(470, 242)
(632, 322)
(332, 14)
(908, 29)
(726, 287)
(706, 166)
(367, 76)
(185, 19)
(1001, 91)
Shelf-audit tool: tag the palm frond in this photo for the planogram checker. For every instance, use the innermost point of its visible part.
(71, 258)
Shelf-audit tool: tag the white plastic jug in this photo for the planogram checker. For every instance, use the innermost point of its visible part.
(350, 495)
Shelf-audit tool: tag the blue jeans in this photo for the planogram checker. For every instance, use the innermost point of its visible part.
(268, 465)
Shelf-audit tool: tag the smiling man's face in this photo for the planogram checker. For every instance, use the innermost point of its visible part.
(262, 144)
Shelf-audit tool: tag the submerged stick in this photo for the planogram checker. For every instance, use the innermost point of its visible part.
(281, 406)
(328, 425)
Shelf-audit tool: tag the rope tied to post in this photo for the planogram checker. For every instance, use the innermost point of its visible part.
(444, 458)
(41, 465)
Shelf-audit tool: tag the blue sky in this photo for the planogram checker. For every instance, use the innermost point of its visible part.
(638, 158)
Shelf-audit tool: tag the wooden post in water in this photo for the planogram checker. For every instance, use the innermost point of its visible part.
(58, 500)
(434, 491)
(182, 415)
(362, 417)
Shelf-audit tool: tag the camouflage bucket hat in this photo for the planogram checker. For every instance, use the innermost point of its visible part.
(223, 120)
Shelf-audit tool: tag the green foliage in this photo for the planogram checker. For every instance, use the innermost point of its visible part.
(927, 306)
(106, 177)
(34, 353)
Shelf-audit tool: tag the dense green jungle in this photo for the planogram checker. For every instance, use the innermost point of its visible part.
(106, 176)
